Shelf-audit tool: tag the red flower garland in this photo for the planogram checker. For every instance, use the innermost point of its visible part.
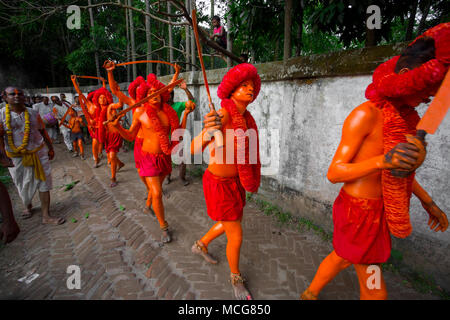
(249, 174)
(166, 145)
(397, 122)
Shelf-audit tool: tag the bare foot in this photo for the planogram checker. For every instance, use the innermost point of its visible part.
(185, 182)
(96, 165)
(197, 248)
(121, 165)
(113, 184)
(53, 220)
(166, 236)
(240, 291)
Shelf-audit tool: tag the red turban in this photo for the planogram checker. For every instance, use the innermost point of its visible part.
(235, 76)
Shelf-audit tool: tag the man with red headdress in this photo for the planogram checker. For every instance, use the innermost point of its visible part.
(377, 158)
(101, 134)
(226, 180)
(91, 112)
(154, 121)
(131, 100)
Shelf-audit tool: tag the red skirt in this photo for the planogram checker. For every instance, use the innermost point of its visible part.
(361, 234)
(152, 165)
(225, 197)
(113, 142)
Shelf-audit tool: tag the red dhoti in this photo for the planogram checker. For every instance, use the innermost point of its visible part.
(152, 165)
(113, 142)
(225, 197)
(361, 233)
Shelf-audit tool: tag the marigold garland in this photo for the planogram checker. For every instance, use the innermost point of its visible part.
(26, 135)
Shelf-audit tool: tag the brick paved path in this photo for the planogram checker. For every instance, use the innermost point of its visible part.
(120, 255)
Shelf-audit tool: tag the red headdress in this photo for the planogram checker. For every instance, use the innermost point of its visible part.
(138, 90)
(399, 121)
(249, 174)
(237, 75)
(100, 113)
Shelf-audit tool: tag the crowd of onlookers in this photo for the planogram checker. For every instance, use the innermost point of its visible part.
(52, 110)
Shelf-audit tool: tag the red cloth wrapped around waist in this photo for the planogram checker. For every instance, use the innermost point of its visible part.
(113, 142)
(225, 197)
(154, 164)
(361, 234)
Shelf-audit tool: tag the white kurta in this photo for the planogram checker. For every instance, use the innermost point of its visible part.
(23, 177)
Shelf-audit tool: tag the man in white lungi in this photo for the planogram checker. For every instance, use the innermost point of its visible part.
(24, 139)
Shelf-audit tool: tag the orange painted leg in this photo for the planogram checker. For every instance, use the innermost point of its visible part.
(80, 145)
(112, 157)
(371, 282)
(215, 231)
(233, 230)
(156, 195)
(95, 149)
(328, 269)
(74, 144)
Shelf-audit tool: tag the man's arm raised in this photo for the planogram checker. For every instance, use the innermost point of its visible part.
(115, 89)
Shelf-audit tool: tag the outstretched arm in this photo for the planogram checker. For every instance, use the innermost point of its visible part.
(357, 126)
(115, 89)
(438, 220)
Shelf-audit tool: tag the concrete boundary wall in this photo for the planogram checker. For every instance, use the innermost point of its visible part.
(302, 106)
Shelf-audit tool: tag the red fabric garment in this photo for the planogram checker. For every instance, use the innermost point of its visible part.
(225, 197)
(113, 142)
(249, 173)
(152, 165)
(398, 122)
(361, 234)
(137, 151)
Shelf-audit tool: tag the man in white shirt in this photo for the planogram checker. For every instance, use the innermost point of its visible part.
(45, 110)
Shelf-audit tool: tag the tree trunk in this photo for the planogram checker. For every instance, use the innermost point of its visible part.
(299, 43)
(97, 64)
(193, 56)
(169, 7)
(229, 40)
(133, 46)
(425, 12)
(148, 36)
(287, 29)
(412, 19)
(212, 28)
(188, 42)
(127, 29)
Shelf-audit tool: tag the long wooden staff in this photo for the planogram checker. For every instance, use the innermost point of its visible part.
(144, 61)
(217, 134)
(137, 104)
(103, 80)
